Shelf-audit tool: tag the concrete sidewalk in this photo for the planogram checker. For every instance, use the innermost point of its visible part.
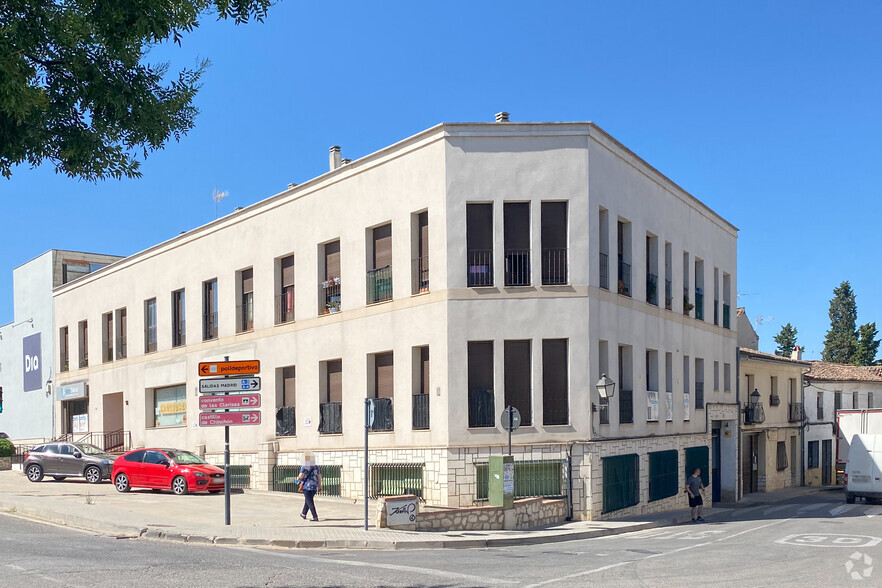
(272, 519)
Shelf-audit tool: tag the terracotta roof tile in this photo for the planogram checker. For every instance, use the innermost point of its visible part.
(840, 372)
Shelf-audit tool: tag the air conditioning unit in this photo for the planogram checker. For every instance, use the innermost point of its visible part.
(651, 406)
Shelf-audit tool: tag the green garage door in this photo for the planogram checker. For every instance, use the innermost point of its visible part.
(663, 474)
(697, 457)
(621, 481)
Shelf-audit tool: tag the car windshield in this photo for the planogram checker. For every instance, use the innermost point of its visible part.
(89, 449)
(185, 458)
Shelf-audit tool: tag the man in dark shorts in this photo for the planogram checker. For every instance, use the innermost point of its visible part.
(694, 486)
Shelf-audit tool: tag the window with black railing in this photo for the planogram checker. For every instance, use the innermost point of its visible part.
(726, 316)
(797, 412)
(669, 295)
(331, 296)
(245, 316)
(286, 422)
(652, 289)
(603, 411)
(626, 406)
(209, 310)
(604, 271)
(383, 415)
(699, 305)
(699, 395)
(554, 267)
(481, 410)
(624, 286)
(420, 411)
(379, 284)
(716, 312)
(331, 418)
(209, 326)
(150, 339)
(121, 347)
(687, 306)
(517, 267)
(285, 306)
(179, 334)
(480, 267)
(754, 414)
(420, 273)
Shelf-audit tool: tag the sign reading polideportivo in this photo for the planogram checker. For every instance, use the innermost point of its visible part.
(33, 372)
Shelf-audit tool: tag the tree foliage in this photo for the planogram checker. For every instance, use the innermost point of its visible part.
(841, 341)
(786, 340)
(867, 345)
(75, 89)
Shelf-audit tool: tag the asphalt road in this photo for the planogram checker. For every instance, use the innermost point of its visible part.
(807, 541)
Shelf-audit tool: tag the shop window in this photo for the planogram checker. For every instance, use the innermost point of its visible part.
(170, 406)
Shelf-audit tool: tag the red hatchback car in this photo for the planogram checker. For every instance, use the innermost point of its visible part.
(164, 469)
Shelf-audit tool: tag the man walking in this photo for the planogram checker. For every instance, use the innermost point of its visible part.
(694, 486)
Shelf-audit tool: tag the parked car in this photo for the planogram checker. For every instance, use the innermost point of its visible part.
(62, 460)
(166, 469)
(863, 470)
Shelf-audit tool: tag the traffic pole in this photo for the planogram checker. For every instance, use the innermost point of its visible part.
(367, 403)
(510, 427)
(226, 465)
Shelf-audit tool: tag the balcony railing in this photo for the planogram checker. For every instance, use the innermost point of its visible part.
(557, 416)
(245, 317)
(669, 295)
(554, 267)
(517, 267)
(209, 326)
(481, 411)
(687, 306)
(624, 278)
(84, 361)
(603, 411)
(604, 271)
(699, 395)
(626, 406)
(774, 400)
(121, 347)
(754, 415)
(716, 312)
(286, 422)
(379, 284)
(107, 353)
(652, 289)
(330, 296)
(480, 267)
(420, 411)
(420, 275)
(285, 307)
(383, 415)
(699, 306)
(725, 316)
(150, 339)
(331, 417)
(820, 416)
(65, 363)
(179, 334)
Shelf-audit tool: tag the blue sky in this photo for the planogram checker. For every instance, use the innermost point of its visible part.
(769, 112)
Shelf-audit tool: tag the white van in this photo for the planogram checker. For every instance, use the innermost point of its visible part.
(863, 470)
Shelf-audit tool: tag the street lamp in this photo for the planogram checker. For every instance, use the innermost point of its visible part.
(754, 398)
(605, 387)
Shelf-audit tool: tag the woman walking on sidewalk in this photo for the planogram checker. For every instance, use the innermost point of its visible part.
(310, 479)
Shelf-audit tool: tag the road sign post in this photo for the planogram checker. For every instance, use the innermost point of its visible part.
(511, 420)
(229, 401)
(224, 385)
(368, 422)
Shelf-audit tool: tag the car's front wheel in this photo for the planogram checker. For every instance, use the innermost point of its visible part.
(34, 472)
(121, 481)
(179, 486)
(92, 475)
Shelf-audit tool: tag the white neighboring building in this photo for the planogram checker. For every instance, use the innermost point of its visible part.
(829, 388)
(27, 349)
(463, 269)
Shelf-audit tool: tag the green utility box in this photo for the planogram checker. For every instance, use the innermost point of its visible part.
(501, 481)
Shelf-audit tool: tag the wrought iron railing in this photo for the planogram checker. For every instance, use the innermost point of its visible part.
(603, 411)
(420, 411)
(556, 416)
(669, 295)
(517, 267)
(331, 296)
(774, 400)
(626, 406)
(725, 316)
(820, 414)
(652, 289)
(245, 317)
(121, 347)
(84, 361)
(420, 275)
(699, 306)
(554, 266)
(624, 286)
(179, 334)
(699, 395)
(754, 415)
(604, 271)
(480, 267)
(286, 422)
(481, 411)
(532, 478)
(150, 339)
(383, 415)
(395, 479)
(209, 326)
(716, 312)
(285, 479)
(796, 412)
(285, 307)
(107, 352)
(331, 417)
(379, 284)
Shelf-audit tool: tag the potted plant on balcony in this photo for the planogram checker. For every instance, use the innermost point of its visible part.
(622, 288)
(687, 306)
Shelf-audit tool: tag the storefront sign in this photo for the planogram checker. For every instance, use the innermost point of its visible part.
(33, 372)
(173, 407)
(71, 391)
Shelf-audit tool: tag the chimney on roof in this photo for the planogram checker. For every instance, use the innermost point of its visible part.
(334, 157)
(501, 117)
(796, 353)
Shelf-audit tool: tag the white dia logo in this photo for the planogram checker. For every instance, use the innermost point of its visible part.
(856, 558)
(32, 363)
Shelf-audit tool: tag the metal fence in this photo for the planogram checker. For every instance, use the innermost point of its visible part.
(379, 284)
(331, 417)
(480, 267)
(420, 275)
(554, 266)
(517, 267)
(604, 271)
(394, 479)
(546, 478)
(420, 411)
(624, 278)
(285, 479)
(240, 475)
(481, 413)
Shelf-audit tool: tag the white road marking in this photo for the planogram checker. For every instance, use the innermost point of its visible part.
(769, 511)
(811, 507)
(841, 509)
(382, 566)
(829, 540)
(876, 510)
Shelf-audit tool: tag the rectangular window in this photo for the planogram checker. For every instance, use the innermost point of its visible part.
(687, 390)
(179, 319)
(726, 289)
(837, 402)
(669, 385)
(652, 392)
(420, 248)
(331, 407)
(869, 399)
(603, 233)
(107, 337)
(716, 296)
(83, 329)
(286, 416)
(699, 384)
(518, 373)
(245, 308)
(669, 277)
(687, 305)
(664, 472)
(854, 400)
(727, 377)
(329, 300)
(516, 229)
(170, 406)
(814, 454)
(626, 393)
(623, 243)
(285, 295)
(122, 329)
(774, 399)
(64, 349)
(554, 243)
(621, 482)
(820, 409)
(782, 455)
(479, 244)
(603, 368)
(480, 381)
(421, 388)
(379, 276)
(383, 391)
(651, 269)
(555, 382)
(716, 376)
(150, 325)
(699, 289)
(209, 310)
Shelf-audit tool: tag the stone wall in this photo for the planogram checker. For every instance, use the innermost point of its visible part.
(527, 513)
